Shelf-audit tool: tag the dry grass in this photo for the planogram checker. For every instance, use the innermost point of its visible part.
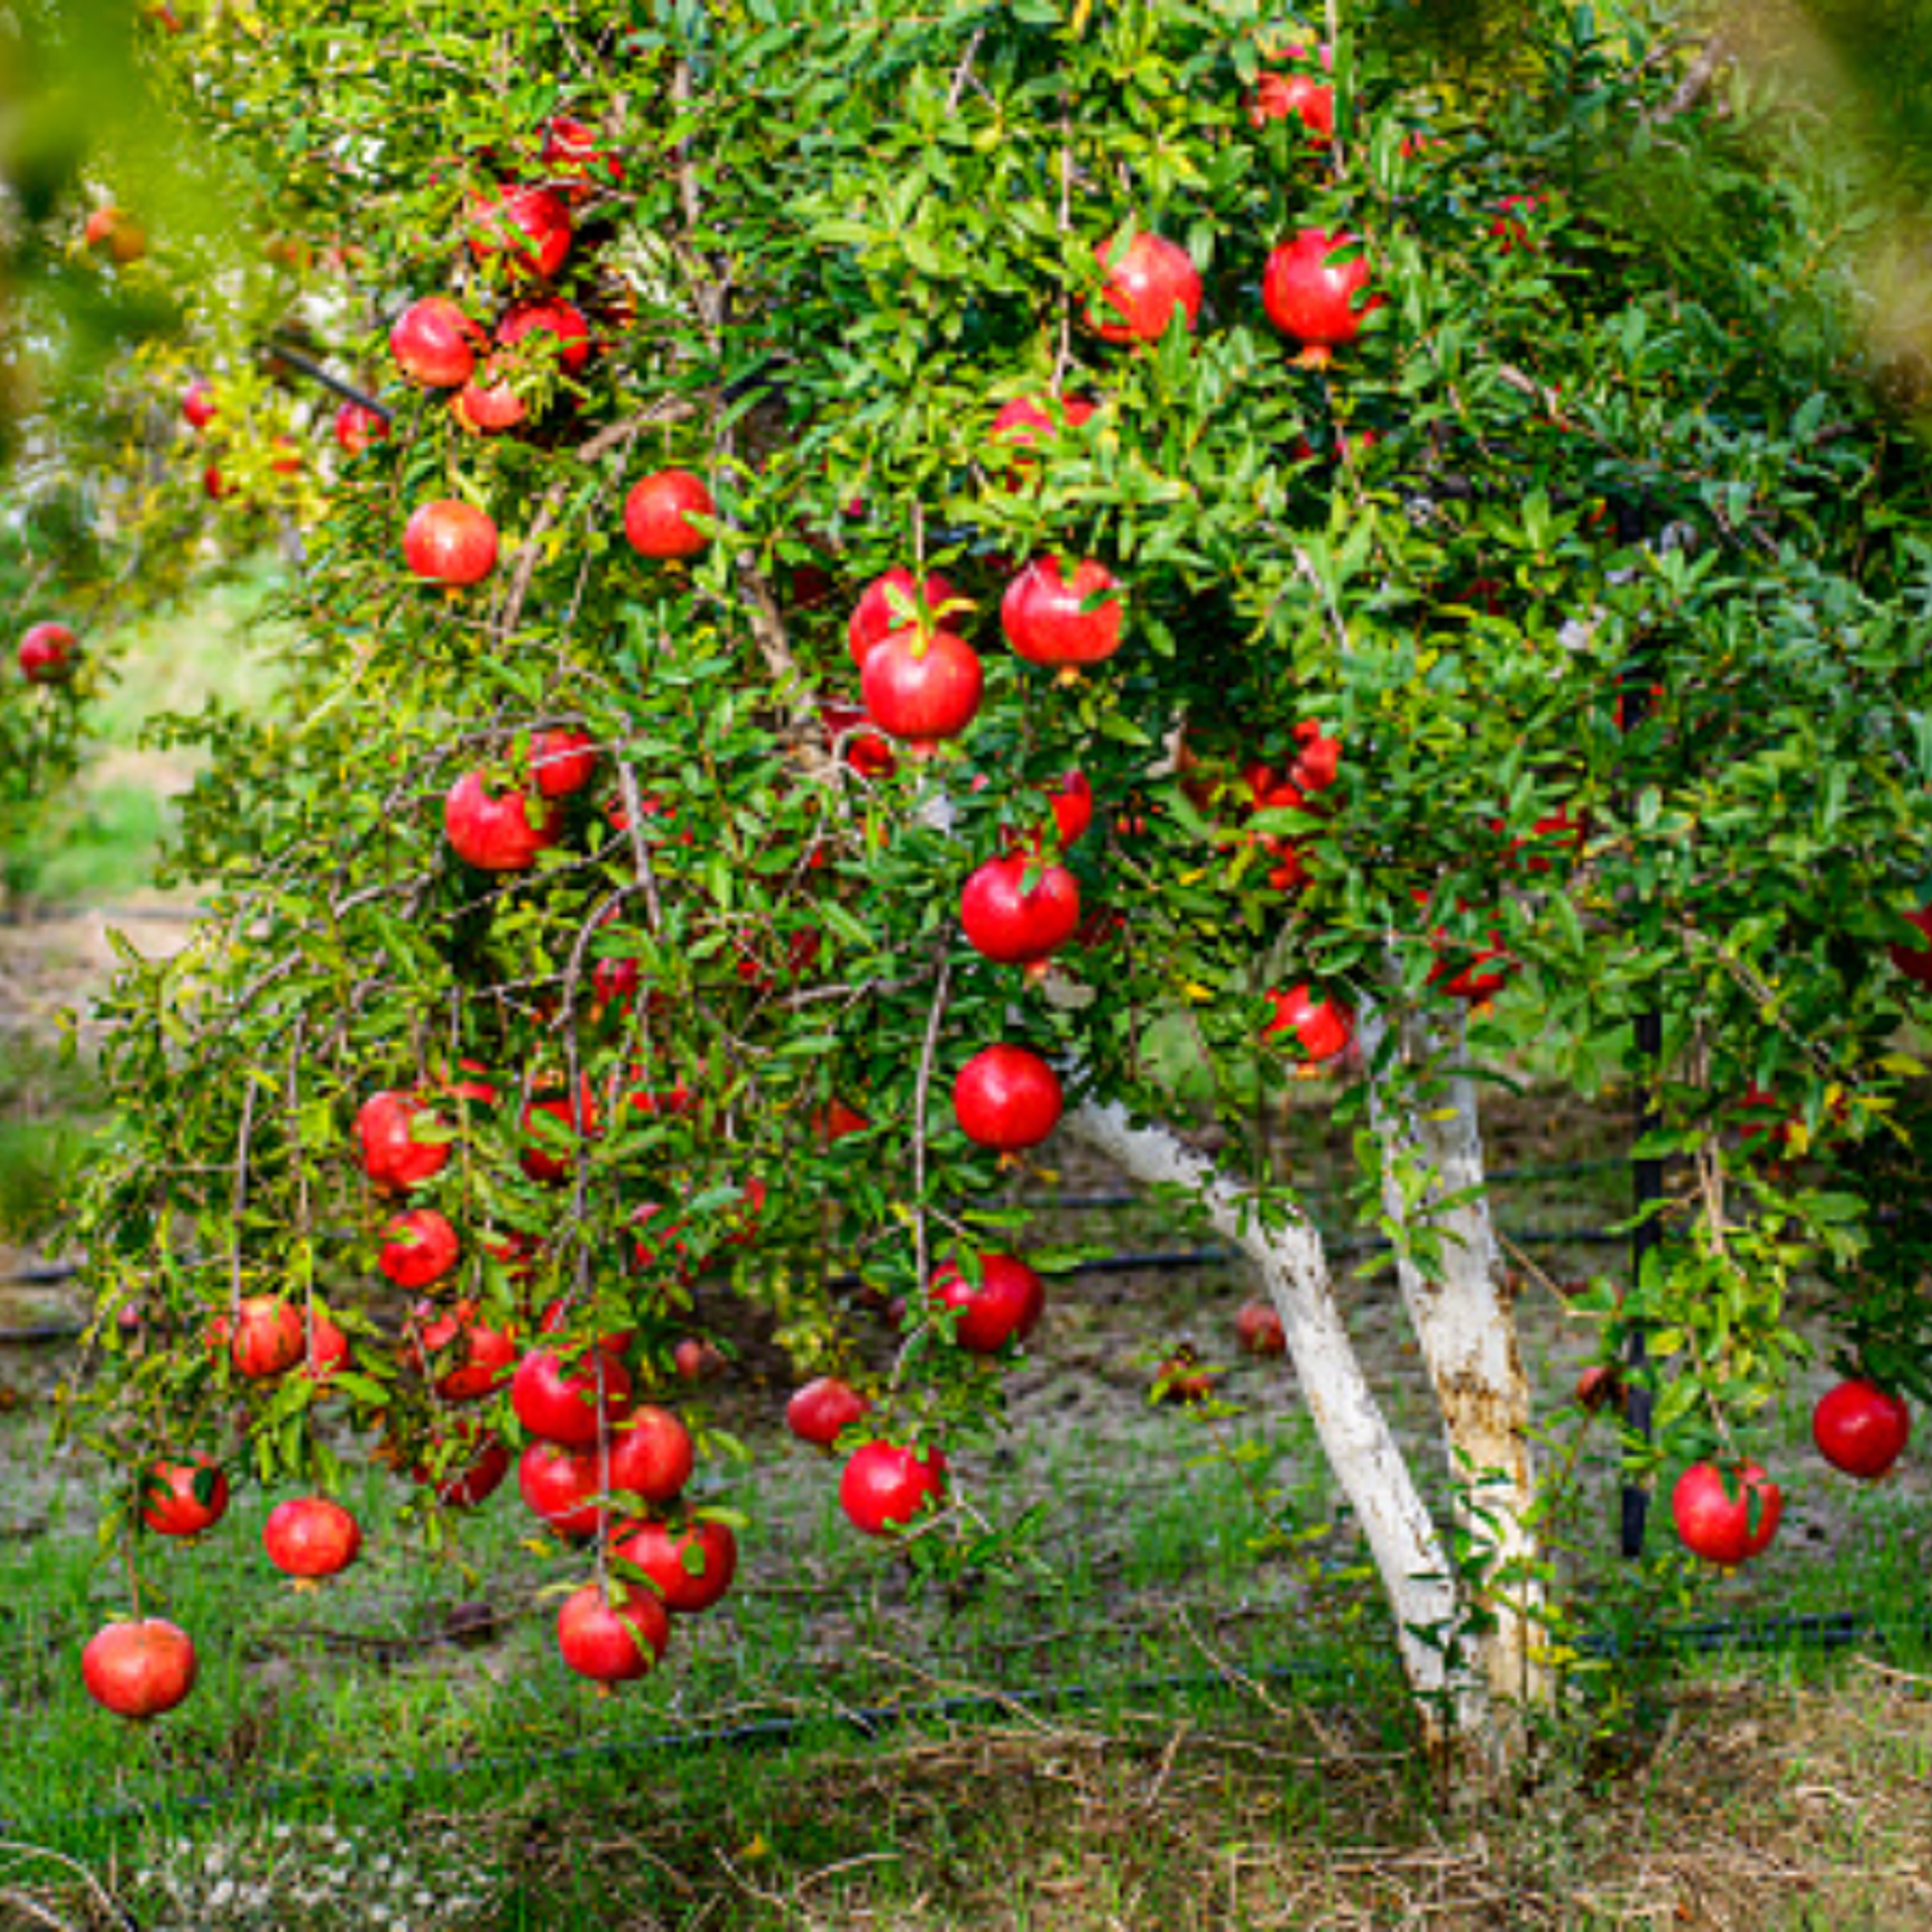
(1761, 1807)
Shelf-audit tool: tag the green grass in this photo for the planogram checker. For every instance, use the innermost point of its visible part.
(100, 841)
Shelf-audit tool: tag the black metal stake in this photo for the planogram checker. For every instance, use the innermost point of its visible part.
(1648, 1176)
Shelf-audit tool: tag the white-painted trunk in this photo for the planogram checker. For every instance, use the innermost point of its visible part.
(1408, 1553)
(1464, 1318)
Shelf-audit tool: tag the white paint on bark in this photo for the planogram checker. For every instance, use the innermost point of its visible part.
(1361, 1449)
(1465, 1319)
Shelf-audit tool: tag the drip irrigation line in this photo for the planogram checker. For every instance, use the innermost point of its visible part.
(1154, 1262)
(1825, 1630)
(293, 358)
(1124, 1197)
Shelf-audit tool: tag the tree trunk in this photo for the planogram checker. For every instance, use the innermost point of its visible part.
(1463, 1310)
(1408, 1553)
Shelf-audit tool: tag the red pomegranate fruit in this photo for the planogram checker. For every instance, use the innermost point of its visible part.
(1051, 619)
(563, 762)
(1005, 1307)
(658, 513)
(923, 689)
(357, 427)
(435, 343)
(1726, 1516)
(883, 1486)
(402, 1142)
(468, 1484)
(888, 604)
(1861, 1428)
(496, 831)
(1321, 1027)
(268, 1337)
(566, 1404)
(450, 542)
(1018, 910)
(1916, 961)
(1259, 1331)
(1312, 298)
(822, 1410)
(1146, 281)
(691, 1569)
(48, 654)
(571, 154)
(614, 1639)
(311, 1537)
(528, 228)
(1008, 1098)
(139, 1669)
(1028, 423)
(418, 1247)
(468, 1360)
(562, 1486)
(184, 1498)
(198, 404)
(1297, 95)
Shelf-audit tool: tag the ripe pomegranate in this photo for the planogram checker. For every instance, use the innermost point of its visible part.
(184, 1498)
(614, 1641)
(1259, 1331)
(46, 654)
(450, 542)
(883, 1487)
(658, 513)
(1298, 97)
(1019, 910)
(571, 154)
(268, 1337)
(1861, 1428)
(1323, 1028)
(836, 1121)
(1512, 229)
(1600, 1386)
(1726, 1516)
(527, 227)
(1050, 620)
(1916, 961)
(1145, 282)
(565, 1404)
(138, 1669)
(1007, 1098)
(555, 1321)
(1006, 1306)
(866, 752)
(822, 1410)
(287, 459)
(404, 1142)
(326, 1350)
(1317, 763)
(1181, 1379)
(357, 427)
(496, 831)
(651, 1456)
(562, 1487)
(198, 404)
(435, 343)
(418, 1247)
(561, 320)
(922, 689)
(478, 1479)
(697, 1361)
(563, 762)
(691, 1569)
(1029, 422)
(468, 1360)
(537, 1158)
(213, 484)
(1312, 299)
(1072, 808)
(122, 238)
(888, 604)
(311, 1537)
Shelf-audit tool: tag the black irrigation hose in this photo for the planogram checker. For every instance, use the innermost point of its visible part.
(1827, 1631)
(1154, 1262)
(277, 352)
